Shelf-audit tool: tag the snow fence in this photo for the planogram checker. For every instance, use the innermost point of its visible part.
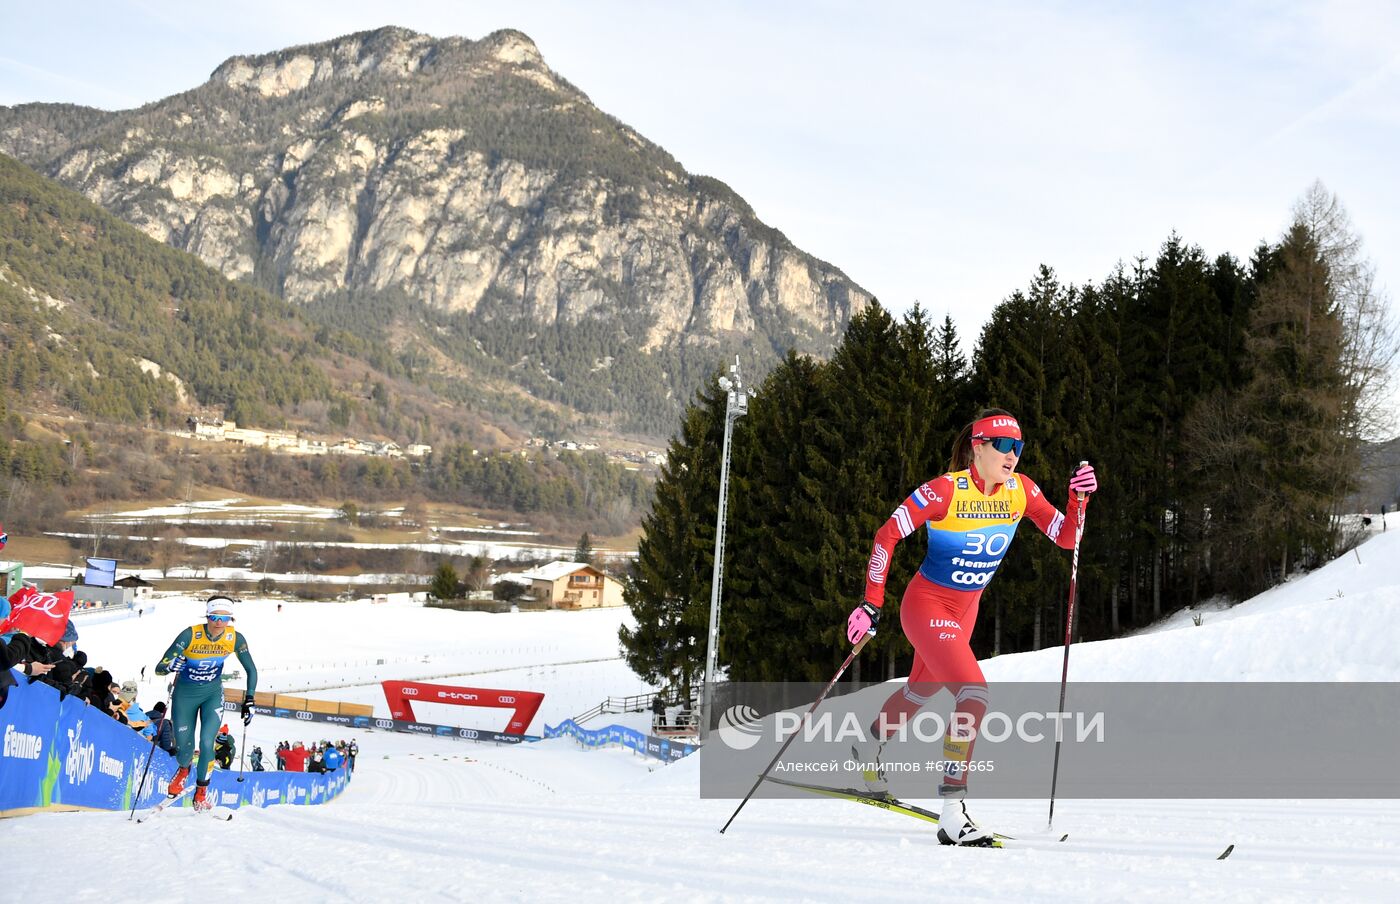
(661, 748)
(64, 754)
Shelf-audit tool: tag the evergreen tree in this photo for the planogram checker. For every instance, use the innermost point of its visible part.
(1018, 359)
(1297, 401)
(860, 459)
(668, 590)
(1095, 433)
(779, 568)
(444, 585)
(584, 551)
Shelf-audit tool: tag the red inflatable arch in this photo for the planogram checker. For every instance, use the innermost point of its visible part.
(401, 695)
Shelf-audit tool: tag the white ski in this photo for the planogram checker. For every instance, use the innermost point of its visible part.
(170, 799)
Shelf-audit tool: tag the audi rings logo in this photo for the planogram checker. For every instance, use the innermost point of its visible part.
(971, 577)
(739, 727)
(504, 699)
(410, 692)
(383, 723)
(305, 716)
(468, 733)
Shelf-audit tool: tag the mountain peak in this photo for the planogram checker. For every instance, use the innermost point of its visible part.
(465, 176)
(390, 50)
(511, 46)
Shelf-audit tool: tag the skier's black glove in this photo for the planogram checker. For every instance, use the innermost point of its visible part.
(247, 711)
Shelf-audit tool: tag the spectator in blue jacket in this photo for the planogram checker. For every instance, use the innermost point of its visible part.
(161, 729)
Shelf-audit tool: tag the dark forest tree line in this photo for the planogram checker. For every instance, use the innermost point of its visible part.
(1223, 404)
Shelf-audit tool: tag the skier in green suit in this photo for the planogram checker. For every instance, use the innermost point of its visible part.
(196, 658)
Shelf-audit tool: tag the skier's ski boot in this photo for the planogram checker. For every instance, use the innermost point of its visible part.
(867, 756)
(177, 784)
(201, 801)
(956, 827)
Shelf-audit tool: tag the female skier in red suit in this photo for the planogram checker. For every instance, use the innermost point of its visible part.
(972, 513)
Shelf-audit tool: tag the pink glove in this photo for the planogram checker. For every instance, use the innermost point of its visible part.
(1083, 479)
(861, 622)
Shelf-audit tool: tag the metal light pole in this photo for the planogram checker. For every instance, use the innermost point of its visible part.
(737, 407)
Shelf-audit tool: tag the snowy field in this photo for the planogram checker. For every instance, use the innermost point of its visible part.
(440, 820)
(503, 541)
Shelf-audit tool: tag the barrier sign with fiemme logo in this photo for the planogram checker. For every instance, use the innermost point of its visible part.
(60, 753)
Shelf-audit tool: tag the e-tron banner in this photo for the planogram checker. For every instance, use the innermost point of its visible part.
(371, 722)
(1157, 740)
(403, 694)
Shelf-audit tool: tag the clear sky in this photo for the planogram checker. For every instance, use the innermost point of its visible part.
(934, 151)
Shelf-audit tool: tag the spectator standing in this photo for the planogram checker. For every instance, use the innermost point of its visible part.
(296, 758)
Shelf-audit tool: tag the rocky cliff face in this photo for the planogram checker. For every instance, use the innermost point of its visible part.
(463, 173)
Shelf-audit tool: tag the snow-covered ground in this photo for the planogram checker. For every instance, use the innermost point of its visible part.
(502, 541)
(66, 574)
(441, 820)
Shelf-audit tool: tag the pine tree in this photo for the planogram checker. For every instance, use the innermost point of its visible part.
(583, 552)
(1095, 419)
(445, 585)
(1017, 357)
(668, 590)
(859, 459)
(1297, 401)
(779, 566)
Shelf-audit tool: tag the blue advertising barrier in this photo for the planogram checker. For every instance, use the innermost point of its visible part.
(266, 789)
(649, 745)
(65, 753)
